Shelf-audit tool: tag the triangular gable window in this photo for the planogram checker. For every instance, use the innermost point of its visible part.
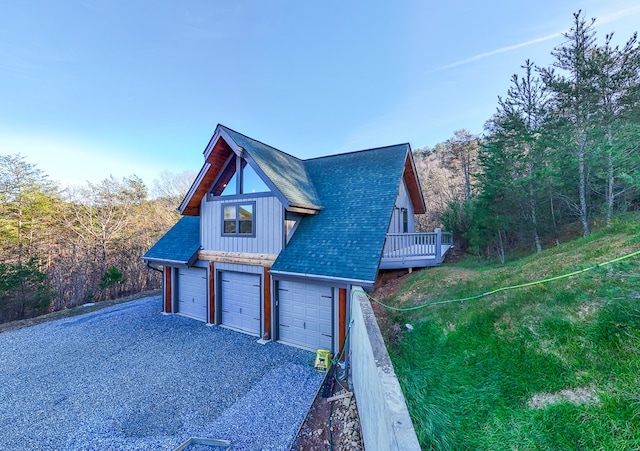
(229, 188)
(238, 178)
(251, 181)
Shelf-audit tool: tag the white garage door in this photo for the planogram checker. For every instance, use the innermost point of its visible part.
(192, 293)
(241, 301)
(305, 314)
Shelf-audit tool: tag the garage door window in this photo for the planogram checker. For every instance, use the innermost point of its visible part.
(238, 219)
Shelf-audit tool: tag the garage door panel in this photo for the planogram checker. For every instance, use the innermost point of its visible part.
(305, 314)
(309, 309)
(325, 328)
(299, 309)
(192, 293)
(241, 301)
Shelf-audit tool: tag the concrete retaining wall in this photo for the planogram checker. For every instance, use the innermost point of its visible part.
(384, 417)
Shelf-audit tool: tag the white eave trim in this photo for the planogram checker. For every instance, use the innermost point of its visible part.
(297, 275)
(165, 262)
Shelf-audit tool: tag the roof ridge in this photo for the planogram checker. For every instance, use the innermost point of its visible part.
(258, 141)
(357, 151)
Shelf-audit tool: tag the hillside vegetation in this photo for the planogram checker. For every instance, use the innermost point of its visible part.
(63, 246)
(550, 366)
(562, 148)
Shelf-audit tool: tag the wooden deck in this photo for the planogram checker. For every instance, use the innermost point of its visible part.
(415, 250)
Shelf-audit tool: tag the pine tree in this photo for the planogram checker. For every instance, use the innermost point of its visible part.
(575, 100)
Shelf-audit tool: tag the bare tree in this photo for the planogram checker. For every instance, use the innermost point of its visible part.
(170, 188)
(462, 152)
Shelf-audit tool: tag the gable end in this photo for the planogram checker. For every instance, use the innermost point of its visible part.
(410, 176)
(216, 157)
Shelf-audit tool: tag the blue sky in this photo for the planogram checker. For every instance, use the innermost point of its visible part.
(92, 88)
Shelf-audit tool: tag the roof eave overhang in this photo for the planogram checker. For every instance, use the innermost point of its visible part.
(186, 207)
(171, 262)
(167, 262)
(221, 133)
(410, 176)
(303, 209)
(183, 208)
(319, 278)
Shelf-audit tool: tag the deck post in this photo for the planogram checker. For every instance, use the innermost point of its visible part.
(438, 245)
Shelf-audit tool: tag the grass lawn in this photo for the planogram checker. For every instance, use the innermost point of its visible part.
(552, 366)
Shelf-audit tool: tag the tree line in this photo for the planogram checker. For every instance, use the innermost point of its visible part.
(61, 247)
(563, 148)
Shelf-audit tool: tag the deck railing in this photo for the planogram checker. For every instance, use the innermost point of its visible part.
(430, 244)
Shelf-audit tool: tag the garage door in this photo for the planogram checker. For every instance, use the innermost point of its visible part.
(305, 314)
(192, 293)
(241, 301)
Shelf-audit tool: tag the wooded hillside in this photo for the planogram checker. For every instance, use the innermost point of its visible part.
(563, 148)
(64, 247)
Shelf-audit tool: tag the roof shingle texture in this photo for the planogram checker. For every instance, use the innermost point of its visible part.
(179, 244)
(286, 172)
(358, 192)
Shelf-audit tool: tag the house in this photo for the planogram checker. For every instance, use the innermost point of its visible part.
(271, 245)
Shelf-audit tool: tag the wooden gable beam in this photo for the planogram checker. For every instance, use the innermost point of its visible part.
(413, 185)
(216, 160)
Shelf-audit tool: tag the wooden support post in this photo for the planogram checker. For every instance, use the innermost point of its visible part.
(266, 335)
(212, 295)
(342, 317)
(438, 245)
(168, 271)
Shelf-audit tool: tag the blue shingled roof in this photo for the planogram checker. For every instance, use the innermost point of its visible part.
(286, 172)
(179, 246)
(355, 193)
(358, 192)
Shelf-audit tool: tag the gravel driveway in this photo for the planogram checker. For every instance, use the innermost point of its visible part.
(129, 378)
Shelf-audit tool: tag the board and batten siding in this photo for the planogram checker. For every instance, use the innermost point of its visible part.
(402, 201)
(268, 223)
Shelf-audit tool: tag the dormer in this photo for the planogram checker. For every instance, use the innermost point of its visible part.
(236, 165)
(237, 179)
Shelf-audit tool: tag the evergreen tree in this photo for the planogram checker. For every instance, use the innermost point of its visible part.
(575, 102)
(512, 162)
(28, 201)
(616, 84)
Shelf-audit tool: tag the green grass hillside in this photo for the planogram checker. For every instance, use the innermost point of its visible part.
(551, 366)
